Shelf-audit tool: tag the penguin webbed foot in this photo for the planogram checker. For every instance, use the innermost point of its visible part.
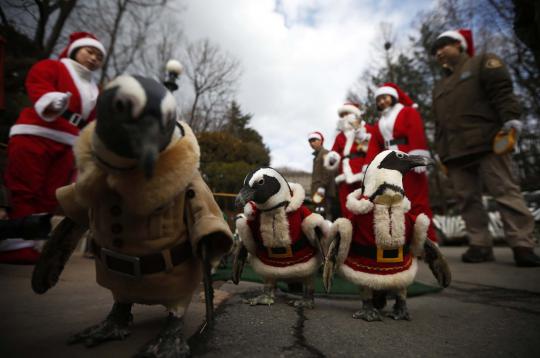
(263, 299)
(170, 343)
(368, 312)
(304, 302)
(114, 327)
(399, 311)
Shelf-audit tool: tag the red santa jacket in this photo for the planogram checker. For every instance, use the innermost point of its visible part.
(47, 80)
(364, 256)
(401, 128)
(300, 249)
(352, 152)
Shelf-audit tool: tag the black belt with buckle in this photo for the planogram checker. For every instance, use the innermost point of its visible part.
(355, 155)
(381, 255)
(396, 141)
(74, 118)
(135, 266)
(285, 251)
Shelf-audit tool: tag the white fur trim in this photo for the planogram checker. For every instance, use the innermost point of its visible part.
(300, 270)
(358, 204)
(44, 101)
(419, 234)
(332, 155)
(456, 36)
(315, 135)
(249, 210)
(315, 221)
(414, 105)
(88, 90)
(244, 232)
(389, 226)
(297, 199)
(174, 66)
(406, 204)
(354, 178)
(344, 228)
(387, 122)
(391, 91)
(349, 108)
(380, 282)
(340, 178)
(52, 134)
(86, 41)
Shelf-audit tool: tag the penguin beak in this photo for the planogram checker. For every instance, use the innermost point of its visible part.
(417, 161)
(245, 195)
(146, 144)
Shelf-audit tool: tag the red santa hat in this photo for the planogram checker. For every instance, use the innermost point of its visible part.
(81, 39)
(393, 90)
(316, 135)
(464, 36)
(350, 108)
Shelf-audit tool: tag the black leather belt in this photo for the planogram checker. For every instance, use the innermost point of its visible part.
(135, 266)
(396, 141)
(74, 118)
(355, 155)
(288, 251)
(381, 255)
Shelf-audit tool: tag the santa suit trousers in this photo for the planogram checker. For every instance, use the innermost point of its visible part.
(493, 173)
(36, 167)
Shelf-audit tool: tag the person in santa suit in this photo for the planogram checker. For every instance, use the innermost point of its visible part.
(348, 152)
(400, 127)
(40, 157)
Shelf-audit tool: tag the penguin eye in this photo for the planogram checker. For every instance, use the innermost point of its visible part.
(119, 105)
(260, 181)
(400, 155)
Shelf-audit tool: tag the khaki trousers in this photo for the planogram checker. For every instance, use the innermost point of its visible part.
(492, 173)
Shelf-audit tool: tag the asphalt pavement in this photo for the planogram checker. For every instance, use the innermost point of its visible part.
(489, 310)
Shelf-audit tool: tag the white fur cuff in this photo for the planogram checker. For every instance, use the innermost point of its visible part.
(331, 161)
(44, 101)
(420, 234)
(358, 203)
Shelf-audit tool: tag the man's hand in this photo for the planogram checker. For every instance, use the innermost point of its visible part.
(514, 123)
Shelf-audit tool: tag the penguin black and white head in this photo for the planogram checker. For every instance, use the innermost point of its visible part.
(136, 120)
(383, 181)
(265, 187)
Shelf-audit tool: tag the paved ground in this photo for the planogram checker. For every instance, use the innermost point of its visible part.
(490, 310)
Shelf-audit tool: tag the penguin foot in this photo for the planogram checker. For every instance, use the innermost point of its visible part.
(399, 312)
(303, 303)
(170, 343)
(368, 312)
(114, 327)
(264, 299)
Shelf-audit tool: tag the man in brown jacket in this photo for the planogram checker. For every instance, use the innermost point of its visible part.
(322, 179)
(471, 104)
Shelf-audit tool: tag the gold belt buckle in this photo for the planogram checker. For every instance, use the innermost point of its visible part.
(274, 255)
(381, 258)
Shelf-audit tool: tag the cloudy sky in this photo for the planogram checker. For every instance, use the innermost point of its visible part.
(298, 58)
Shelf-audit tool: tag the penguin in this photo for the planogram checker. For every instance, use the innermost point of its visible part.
(377, 247)
(282, 239)
(154, 223)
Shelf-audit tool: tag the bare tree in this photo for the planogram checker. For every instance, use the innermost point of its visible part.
(213, 76)
(45, 17)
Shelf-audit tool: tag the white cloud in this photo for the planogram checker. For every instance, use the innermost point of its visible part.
(298, 57)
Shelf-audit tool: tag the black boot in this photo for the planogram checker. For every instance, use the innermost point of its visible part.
(477, 254)
(525, 257)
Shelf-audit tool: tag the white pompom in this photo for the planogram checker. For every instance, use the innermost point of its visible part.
(174, 66)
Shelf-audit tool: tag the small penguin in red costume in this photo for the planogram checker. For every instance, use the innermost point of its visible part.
(284, 239)
(377, 248)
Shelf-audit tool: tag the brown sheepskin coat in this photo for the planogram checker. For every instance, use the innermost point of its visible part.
(134, 216)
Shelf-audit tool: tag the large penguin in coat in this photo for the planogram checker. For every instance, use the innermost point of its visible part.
(153, 220)
(377, 248)
(283, 238)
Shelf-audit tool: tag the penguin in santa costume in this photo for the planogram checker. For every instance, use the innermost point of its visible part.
(377, 248)
(283, 238)
(400, 127)
(40, 157)
(348, 152)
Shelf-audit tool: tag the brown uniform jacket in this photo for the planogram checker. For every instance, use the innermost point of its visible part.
(470, 106)
(322, 177)
(133, 216)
